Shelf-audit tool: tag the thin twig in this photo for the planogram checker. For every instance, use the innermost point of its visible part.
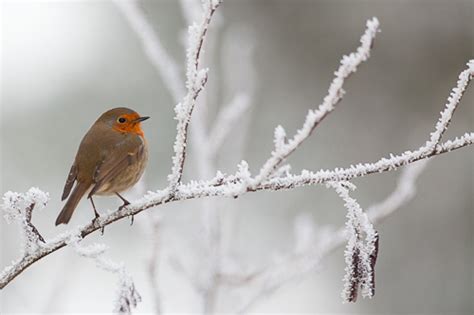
(195, 80)
(348, 66)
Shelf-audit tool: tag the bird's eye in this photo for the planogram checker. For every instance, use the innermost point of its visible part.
(122, 120)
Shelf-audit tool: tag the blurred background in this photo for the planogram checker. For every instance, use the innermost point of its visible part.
(65, 62)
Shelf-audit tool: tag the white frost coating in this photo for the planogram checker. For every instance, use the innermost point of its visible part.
(279, 140)
(195, 80)
(359, 250)
(14, 204)
(127, 296)
(431, 147)
(161, 60)
(18, 207)
(384, 164)
(458, 142)
(348, 66)
(453, 101)
(206, 141)
(282, 171)
(244, 176)
(230, 184)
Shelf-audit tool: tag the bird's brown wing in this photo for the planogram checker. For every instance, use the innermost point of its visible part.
(115, 162)
(70, 181)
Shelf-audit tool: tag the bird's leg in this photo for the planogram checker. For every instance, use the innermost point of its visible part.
(93, 207)
(125, 203)
(96, 215)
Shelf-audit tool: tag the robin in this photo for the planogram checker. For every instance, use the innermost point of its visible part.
(111, 158)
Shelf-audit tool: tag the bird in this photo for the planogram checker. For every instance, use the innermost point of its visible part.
(111, 158)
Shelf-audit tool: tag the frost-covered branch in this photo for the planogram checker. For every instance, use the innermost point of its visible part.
(127, 296)
(19, 208)
(206, 139)
(391, 163)
(196, 78)
(362, 247)
(313, 244)
(348, 66)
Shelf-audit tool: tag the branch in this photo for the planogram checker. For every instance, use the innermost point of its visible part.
(394, 162)
(306, 260)
(348, 66)
(195, 80)
(19, 208)
(360, 253)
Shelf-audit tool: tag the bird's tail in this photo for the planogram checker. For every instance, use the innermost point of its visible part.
(72, 202)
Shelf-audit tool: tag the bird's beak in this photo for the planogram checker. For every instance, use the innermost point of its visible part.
(140, 119)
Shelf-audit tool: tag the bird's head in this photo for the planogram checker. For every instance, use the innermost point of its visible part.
(123, 120)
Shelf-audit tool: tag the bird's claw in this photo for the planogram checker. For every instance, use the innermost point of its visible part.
(96, 221)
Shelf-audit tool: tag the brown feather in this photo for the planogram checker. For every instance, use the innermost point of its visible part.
(113, 170)
(69, 182)
(72, 202)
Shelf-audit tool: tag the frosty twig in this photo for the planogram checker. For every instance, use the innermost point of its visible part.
(196, 78)
(362, 247)
(348, 66)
